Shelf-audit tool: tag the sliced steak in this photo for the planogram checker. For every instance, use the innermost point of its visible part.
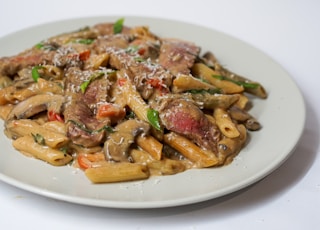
(178, 56)
(146, 76)
(9, 66)
(83, 127)
(107, 29)
(185, 118)
(119, 41)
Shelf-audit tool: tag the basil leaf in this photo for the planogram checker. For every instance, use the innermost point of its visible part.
(45, 46)
(132, 49)
(247, 84)
(64, 150)
(86, 83)
(118, 26)
(219, 77)
(202, 91)
(38, 139)
(35, 73)
(139, 59)
(84, 128)
(84, 41)
(153, 118)
(241, 83)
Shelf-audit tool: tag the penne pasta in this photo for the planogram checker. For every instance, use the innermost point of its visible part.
(225, 124)
(134, 100)
(5, 111)
(213, 77)
(242, 101)
(140, 156)
(230, 147)
(184, 83)
(28, 146)
(191, 151)
(210, 101)
(12, 94)
(117, 172)
(55, 126)
(151, 145)
(24, 127)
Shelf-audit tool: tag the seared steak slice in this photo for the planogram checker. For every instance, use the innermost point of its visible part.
(71, 55)
(178, 56)
(83, 128)
(9, 66)
(147, 49)
(119, 41)
(145, 75)
(107, 29)
(185, 118)
(97, 92)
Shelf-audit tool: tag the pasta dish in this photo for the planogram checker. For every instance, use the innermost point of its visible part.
(122, 103)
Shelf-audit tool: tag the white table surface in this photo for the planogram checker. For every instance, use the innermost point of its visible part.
(289, 198)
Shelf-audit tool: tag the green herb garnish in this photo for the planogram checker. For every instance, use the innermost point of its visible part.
(45, 46)
(84, 128)
(87, 41)
(86, 83)
(118, 26)
(241, 83)
(153, 118)
(202, 91)
(247, 84)
(35, 72)
(139, 59)
(64, 150)
(38, 138)
(132, 49)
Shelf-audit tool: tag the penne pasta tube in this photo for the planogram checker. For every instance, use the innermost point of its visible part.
(55, 126)
(184, 83)
(24, 127)
(151, 145)
(5, 111)
(211, 119)
(242, 102)
(230, 147)
(11, 94)
(190, 150)
(116, 172)
(140, 156)
(134, 100)
(211, 101)
(28, 146)
(85, 150)
(138, 105)
(96, 61)
(225, 124)
(51, 72)
(212, 77)
(252, 87)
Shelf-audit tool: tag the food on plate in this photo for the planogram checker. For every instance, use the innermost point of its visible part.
(122, 103)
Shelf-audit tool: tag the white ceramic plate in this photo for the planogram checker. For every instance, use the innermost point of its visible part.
(282, 116)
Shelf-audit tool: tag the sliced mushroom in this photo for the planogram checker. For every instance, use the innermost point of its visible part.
(37, 104)
(118, 143)
(245, 118)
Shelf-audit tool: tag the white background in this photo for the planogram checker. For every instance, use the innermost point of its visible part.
(289, 198)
